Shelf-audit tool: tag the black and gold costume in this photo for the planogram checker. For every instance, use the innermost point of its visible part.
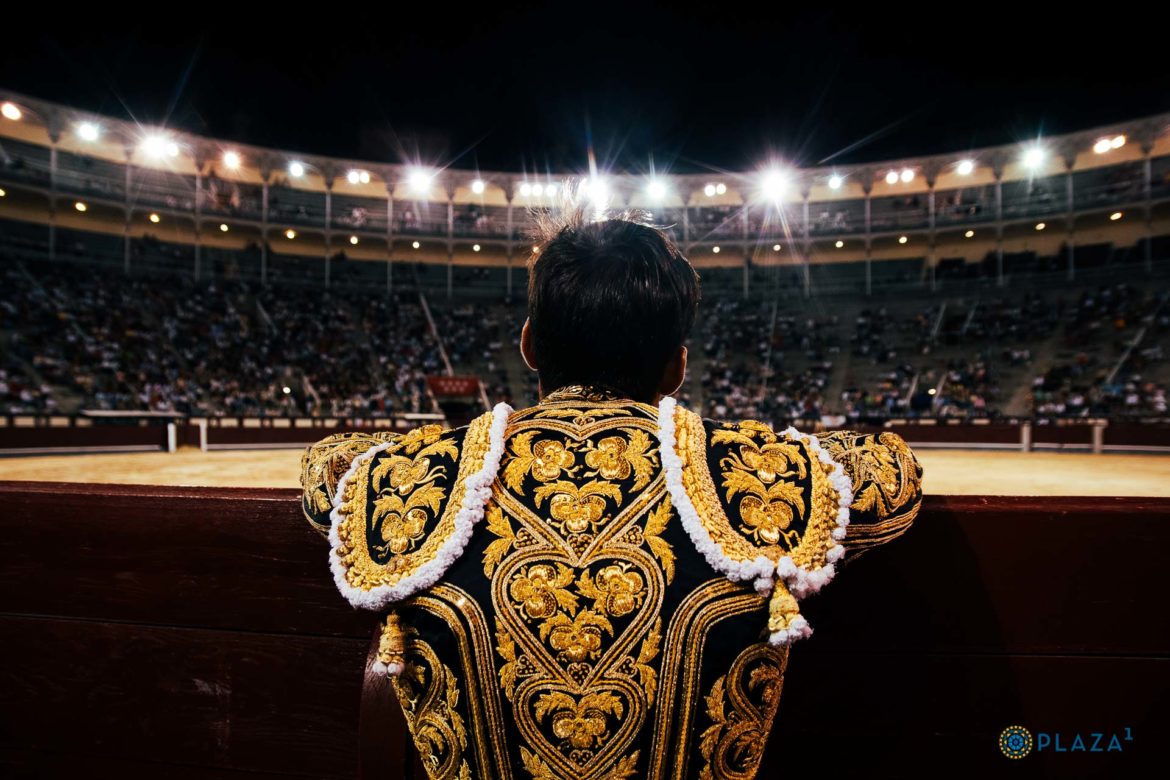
(587, 588)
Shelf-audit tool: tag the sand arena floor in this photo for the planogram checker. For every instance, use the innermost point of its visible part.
(952, 472)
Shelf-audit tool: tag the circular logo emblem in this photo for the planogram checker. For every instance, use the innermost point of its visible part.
(1015, 742)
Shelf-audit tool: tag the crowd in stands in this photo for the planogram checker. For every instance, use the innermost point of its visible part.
(173, 345)
(75, 337)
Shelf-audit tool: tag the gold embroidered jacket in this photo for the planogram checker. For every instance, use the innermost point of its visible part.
(597, 588)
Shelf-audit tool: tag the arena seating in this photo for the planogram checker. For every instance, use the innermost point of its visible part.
(1048, 347)
(195, 632)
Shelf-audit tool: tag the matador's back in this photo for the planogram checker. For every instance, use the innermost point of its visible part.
(595, 587)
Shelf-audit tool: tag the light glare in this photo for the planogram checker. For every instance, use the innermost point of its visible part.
(420, 181)
(1034, 157)
(774, 185)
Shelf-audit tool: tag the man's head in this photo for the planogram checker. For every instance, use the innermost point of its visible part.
(609, 303)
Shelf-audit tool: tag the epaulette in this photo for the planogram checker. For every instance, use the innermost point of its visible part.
(405, 508)
(760, 506)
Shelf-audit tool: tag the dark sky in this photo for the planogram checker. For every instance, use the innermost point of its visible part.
(519, 86)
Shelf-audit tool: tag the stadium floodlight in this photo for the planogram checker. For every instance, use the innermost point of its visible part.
(709, 190)
(835, 181)
(364, 177)
(160, 146)
(970, 234)
(656, 189)
(907, 175)
(965, 167)
(720, 188)
(596, 189)
(775, 247)
(840, 244)
(231, 160)
(715, 249)
(296, 169)
(3, 192)
(287, 390)
(525, 190)
(1103, 146)
(1040, 226)
(81, 206)
(550, 190)
(892, 177)
(88, 131)
(774, 185)
(538, 189)
(415, 245)
(475, 247)
(1117, 141)
(11, 111)
(353, 240)
(353, 177)
(223, 228)
(420, 180)
(290, 234)
(1034, 157)
(478, 186)
(902, 239)
(1115, 216)
(155, 218)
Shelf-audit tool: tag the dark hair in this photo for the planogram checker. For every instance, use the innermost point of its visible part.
(610, 301)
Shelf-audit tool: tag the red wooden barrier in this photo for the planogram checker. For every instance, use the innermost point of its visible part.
(195, 632)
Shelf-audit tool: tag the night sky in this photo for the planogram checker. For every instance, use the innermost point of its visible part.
(523, 86)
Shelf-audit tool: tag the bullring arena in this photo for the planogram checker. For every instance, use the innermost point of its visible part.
(952, 472)
(182, 315)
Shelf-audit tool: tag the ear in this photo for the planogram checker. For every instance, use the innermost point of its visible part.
(527, 352)
(674, 373)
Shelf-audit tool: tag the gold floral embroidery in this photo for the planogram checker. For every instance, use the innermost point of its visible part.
(616, 457)
(580, 681)
(323, 464)
(540, 589)
(617, 589)
(884, 471)
(577, 509)
(497, 524)
(655, 525)
(429, 692)
(741, 706)
(576, 639)
(579, 723)
(380, 541)
(763, 472)
(545, 460)
(648, 652)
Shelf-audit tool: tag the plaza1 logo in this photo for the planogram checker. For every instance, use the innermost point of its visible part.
(1016, 742)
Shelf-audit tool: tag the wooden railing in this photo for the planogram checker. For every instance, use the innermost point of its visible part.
(193, 632)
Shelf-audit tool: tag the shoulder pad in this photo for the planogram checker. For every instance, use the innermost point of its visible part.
(887, 484)
(758, 505)
(324, 464)
(405, 509)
